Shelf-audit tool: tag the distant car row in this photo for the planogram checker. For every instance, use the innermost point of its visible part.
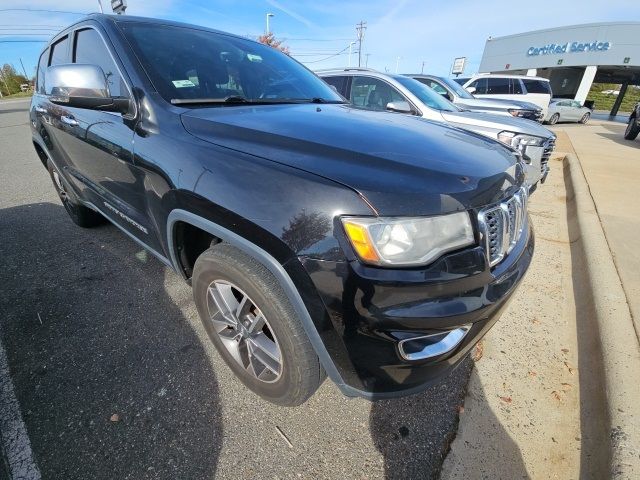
(373, 90)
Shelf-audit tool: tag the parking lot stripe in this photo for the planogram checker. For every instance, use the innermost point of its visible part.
(13, 434)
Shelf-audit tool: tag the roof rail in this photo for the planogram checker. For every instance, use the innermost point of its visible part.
(346, 69)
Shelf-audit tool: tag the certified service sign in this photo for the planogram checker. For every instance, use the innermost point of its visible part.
(569, 47)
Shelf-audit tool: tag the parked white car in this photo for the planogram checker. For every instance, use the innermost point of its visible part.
(564, 110)
(536, 90)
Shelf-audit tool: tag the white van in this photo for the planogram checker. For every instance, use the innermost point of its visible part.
(511, 87)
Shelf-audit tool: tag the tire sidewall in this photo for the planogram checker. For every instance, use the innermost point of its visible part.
(208, 270)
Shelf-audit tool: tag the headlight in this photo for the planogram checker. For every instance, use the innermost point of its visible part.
(519, 141)
(516, 112)
(403, 242)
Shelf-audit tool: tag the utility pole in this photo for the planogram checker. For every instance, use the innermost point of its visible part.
(422, 70)
(100, 5)
(366, 62)
(23, 69)
(360, 28)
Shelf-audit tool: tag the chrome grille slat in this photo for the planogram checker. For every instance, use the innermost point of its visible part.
(548, 148)
(501, 226)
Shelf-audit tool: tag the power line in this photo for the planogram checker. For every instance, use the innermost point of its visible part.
(330, 56)
(23, 41)
(40, 10)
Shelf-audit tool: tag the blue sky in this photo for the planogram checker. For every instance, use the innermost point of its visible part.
(417, 31)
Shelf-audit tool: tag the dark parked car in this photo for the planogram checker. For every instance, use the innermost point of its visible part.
(318, 238)
(633, 126)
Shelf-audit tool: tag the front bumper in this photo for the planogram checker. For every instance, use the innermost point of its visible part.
(373, 309)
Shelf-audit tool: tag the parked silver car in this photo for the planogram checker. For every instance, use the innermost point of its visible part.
(375, 90)
(564, 110)
(454, 92)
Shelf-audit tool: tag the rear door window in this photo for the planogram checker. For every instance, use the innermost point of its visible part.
(516, 86)
(60, 52)
(536, 86)
(498, 86)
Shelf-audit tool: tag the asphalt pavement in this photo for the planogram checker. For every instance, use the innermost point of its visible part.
(116, 379)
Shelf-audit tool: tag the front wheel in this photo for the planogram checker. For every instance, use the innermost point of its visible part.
(81, 215)
(585, 118)
(254, 327)
(632, 130)
(554, 119)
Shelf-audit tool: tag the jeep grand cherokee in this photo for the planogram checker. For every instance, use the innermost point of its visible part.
(319, 239)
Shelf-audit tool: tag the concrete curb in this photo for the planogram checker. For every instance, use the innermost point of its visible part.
(620, 349)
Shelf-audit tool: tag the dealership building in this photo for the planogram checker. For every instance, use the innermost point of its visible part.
(572, 58)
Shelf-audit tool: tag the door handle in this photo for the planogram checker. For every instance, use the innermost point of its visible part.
(69, 121)
(40, 109)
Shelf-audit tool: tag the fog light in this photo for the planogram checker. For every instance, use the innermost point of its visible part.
(433, 345)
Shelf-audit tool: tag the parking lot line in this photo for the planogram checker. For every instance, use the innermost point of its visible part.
(13, 434)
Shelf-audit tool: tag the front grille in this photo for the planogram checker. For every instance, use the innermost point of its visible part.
(548, 146)
(501, 226)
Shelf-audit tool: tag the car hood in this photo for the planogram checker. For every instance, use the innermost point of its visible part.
(496, 104)
(401, 165)
(498, 122)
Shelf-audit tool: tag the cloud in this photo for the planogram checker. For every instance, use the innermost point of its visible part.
(292, 14)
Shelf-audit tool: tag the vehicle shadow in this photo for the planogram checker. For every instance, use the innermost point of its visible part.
(111, 378)
(404, 430)
(620, 140)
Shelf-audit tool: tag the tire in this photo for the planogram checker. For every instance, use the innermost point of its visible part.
(82, 216)
(224, 275)
(554, 119)
(632, 130)
(585, 118)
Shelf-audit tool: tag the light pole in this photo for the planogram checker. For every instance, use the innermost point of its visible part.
(100, 5)
(269, 15)
(350, 51)
(422, 70)
(397, 63)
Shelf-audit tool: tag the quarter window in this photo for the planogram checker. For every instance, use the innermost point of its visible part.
(373, 94)
(59, 52)
(536, 86)
(90, 49)
(516, 86)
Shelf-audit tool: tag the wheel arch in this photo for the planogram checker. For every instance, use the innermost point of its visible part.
(179, 218)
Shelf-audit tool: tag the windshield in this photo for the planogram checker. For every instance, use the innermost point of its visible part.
(426, 95)
(461, 92)
(189, 64)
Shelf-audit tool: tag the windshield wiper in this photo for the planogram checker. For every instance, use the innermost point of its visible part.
(196, 101)
(239, 99)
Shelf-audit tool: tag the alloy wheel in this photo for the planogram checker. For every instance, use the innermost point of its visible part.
(244, 331)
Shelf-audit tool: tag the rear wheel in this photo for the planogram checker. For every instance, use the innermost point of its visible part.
(254, 327)
(585, 118)
(81, 215)
(554, 119)
(632, 129)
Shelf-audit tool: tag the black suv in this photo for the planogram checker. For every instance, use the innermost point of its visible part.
(320, 239)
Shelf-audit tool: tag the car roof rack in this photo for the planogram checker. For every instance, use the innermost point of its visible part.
(346, 69)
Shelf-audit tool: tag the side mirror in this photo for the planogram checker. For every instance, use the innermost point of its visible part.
(399, 107)
(471, 90)
(82, 86)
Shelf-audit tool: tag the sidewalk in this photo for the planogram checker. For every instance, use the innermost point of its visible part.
(611, 166)
(524, 408)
